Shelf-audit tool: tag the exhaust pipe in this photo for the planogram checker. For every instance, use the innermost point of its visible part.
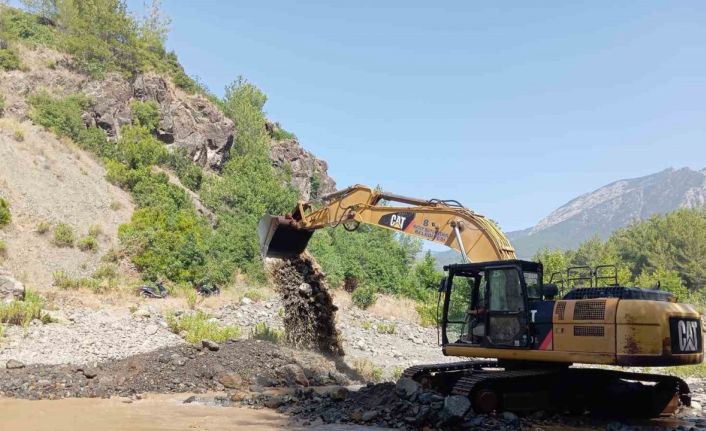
(279, 238)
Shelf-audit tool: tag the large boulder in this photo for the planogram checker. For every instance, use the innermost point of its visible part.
(10, 288)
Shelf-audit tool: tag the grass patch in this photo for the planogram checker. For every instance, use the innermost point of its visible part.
(103, 280)
(19, 135)
(367, 325)
(3, 249)
(262, 331)
(9, 59)
(87, 243)
(2, 105)
(386, 328)
(23, 312)
(64, 235)
(5, 215)
(367, 370)
(198, 326)
(43, 227)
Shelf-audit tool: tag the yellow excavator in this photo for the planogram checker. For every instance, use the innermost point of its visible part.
(499, 307)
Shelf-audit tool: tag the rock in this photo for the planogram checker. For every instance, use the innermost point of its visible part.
(305, 289)
(407, 388)
(369, 415)
(231, 380)
(190, 400)
(308, 174)
(90, 373)
(142, 312)
(10, 288)
(239, 396)
(292, 374)
(14, 365)
(245, 301)
(276, 401)
(510, 417)
(696, 406)
(210, 345)
(455, 407)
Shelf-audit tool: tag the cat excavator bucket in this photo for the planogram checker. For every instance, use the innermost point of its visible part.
(279, 237)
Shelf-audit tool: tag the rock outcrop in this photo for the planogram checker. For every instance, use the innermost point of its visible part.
(309, 174)
(190, 122)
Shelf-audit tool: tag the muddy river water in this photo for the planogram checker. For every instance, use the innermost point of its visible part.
(154, 413)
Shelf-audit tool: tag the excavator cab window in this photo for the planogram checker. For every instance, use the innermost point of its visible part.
(507, 310)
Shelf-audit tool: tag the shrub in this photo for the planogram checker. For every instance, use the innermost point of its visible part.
(189, 173)
(386, 328)
(22, 312)
(198, 326)
(3, 248)
(64, 235)
(364, 297)
(279, 134)
(262, 331)
(61, 116)
(87, 243)
(145, 114)
(2, 105)
(367, 370)
(427, 313)
(9, 59)
(95, 230)
(19, 135)
(43, 227)
(5, 215)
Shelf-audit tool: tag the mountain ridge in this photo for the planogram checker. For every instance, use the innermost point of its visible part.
(604, 210)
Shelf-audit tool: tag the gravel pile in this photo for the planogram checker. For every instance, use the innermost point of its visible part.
(183, 368)
(83, 336)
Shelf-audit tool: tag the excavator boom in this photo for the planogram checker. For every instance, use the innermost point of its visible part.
(477, 238)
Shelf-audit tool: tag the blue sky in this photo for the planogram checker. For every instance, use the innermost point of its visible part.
(512, 108)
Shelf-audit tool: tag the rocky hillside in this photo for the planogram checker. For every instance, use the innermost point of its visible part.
(613, 206)
(187, 121)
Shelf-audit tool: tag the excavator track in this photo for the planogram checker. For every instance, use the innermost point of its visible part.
(598, 391)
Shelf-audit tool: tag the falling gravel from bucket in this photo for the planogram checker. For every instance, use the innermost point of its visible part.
(309, 313)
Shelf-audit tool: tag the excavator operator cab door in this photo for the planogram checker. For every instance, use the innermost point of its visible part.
(506, 301)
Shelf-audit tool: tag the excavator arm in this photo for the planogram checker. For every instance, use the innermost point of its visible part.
(446, 222)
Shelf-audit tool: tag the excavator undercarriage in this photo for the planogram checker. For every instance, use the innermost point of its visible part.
(601, 392)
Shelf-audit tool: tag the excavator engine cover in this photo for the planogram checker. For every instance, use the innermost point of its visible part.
(279, 238)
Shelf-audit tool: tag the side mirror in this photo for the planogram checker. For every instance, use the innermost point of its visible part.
(550, 291)
(442, 285)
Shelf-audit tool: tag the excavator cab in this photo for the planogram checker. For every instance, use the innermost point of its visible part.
(488, 304)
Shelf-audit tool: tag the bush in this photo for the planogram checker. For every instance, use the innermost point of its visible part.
(5, 215)
(88, 243)
(9, 59)
(61, 116)
(23, 312)
(145, 114)
(3, 248)
(386, 328)
(198, 326)
(364, 297)
(262, 331)
(43, 227)
(2, 105)
(427, 311)
(63, 281)
(19, 135)
(64, 235)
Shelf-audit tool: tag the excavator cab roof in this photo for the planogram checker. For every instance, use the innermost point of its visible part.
(524, 265)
